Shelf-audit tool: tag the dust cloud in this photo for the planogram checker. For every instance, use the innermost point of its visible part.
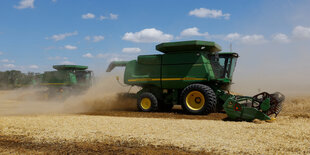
(297, 106)
(26, 101)
(273, 67)
(105, 94)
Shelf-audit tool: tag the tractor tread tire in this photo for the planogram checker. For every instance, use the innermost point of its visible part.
(210, 99)
(152, 97)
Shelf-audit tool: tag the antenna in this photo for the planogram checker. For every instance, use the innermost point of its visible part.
(230, 46)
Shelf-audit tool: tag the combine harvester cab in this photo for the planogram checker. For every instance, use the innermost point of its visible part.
(197, 76)
(66, 80)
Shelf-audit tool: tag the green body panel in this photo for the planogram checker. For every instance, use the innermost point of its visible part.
(55, 77)
(184, 58)
(150, 59)
(142, 74)
(181, 69)
(72, 78)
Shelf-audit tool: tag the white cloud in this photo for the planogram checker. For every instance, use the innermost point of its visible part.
(131, 50)
(194, 31)
(63, 36)
(280, 37)
(23, 4)
(147, 36)
(9, 66)
(115, 59)
(245, 39)
(51, 48)
(100, 55)
(1, 52)
(94, 38)
(207, 13)
(108, 57)
(70, 47)
(253, 39)
(57, 58)
(232, 36)
(88, 38)
(33, 66)
(98, 38)
(88, 55)
(88, 16)
(67, 63)
(103, 17)
(7, 61)
(301, 32)
(113, 16)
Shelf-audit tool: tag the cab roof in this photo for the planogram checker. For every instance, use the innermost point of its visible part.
(188, 46)
(70, 67)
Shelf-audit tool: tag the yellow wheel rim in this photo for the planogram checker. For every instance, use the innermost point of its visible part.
(195, 100)
(145, 103)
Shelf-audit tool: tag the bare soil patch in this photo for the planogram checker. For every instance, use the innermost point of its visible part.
(24, 145)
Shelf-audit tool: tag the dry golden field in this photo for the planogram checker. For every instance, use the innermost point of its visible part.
(105, 124)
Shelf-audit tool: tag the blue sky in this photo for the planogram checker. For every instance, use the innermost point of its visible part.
(36, 34)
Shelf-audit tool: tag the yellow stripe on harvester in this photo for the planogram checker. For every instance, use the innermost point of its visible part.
(144, 79)
(52, 84)
(186, 78)
(167, 79)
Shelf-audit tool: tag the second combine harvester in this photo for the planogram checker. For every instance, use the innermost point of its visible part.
(197, 76)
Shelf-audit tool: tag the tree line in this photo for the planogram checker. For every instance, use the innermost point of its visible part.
(15, 79)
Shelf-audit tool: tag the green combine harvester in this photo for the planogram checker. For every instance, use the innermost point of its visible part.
(66, 80)
(197, 76)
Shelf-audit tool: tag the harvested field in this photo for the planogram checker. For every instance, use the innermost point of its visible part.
(126, 131)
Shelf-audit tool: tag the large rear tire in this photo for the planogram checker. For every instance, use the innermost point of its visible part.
(198, 99)
(147, 102)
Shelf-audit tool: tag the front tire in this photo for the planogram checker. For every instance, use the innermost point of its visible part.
(147, 102)
(198, 99)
